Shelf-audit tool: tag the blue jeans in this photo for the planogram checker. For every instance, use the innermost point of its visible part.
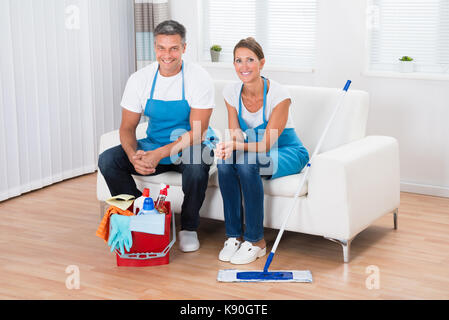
(241, 175)
(117, 170)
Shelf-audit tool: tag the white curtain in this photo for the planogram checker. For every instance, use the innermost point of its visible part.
(148, 14)
(63, 68)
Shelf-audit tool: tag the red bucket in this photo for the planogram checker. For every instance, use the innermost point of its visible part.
(149, 249)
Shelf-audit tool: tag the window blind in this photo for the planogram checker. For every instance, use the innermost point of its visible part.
(419, 29)
(286, 29)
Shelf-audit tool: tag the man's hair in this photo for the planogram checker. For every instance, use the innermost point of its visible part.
(171, 27)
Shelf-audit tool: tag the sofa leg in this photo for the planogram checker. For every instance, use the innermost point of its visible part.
(346, 250)
(395, 218)
(346, 245)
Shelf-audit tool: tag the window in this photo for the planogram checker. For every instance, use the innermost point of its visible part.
(284, 28)
(415, 28)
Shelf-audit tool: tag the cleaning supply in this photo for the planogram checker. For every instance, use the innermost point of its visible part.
(160, 201)
(148, 207)
(148, 223)
(231, 275)
(122, 201)
(120, 236)
(148, 220)
(149, 249)
(103, 228)
(138, 203)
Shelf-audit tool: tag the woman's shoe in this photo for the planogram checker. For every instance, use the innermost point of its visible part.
(247, 253)
(230, 248)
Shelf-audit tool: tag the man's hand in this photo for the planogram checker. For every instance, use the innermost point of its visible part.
(141, 165)
(146, 162)
(130, 120)
(151, 158)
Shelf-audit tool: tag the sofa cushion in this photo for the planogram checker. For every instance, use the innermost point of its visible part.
(171, 178)
(284, 186)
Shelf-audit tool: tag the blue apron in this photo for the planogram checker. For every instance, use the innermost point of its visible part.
(288, 155)
(168, 120)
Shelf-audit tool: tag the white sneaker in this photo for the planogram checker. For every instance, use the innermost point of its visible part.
(247, 253)
(188, 241)
(230, 247)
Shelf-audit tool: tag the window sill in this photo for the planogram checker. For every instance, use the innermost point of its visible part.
(229, 65)
(404, 75)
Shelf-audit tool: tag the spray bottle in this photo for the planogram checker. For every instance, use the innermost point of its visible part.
(138, 203)
(160, 201)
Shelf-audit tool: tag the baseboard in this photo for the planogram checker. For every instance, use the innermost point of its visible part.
(45, 181)
(430, 190)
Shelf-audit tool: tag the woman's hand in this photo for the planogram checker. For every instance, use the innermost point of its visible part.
(224, 149)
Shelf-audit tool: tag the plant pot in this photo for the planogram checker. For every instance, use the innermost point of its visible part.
(406, 66)
(214, 56)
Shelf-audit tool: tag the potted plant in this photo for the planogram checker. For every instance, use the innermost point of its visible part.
(215, 52)
(406, 64)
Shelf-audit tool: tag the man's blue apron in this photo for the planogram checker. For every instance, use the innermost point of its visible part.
(168, 120)
(288, 155)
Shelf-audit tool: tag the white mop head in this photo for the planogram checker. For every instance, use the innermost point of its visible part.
(230, 275)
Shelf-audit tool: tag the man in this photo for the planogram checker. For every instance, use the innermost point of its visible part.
(178, 99)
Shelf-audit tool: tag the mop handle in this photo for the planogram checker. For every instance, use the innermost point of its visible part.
(305, 175)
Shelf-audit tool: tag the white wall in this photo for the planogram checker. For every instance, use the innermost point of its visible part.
(415, 111)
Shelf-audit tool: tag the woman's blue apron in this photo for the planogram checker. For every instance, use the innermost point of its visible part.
(168, 120)
(288, 155)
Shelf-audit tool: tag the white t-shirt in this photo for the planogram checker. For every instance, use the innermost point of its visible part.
(198, 85)
(276, 94)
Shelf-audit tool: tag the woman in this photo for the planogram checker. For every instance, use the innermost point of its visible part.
(263, 144)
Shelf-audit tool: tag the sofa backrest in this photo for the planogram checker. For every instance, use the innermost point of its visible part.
(311, 109)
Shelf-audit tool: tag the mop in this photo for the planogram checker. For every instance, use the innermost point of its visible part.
(231, 275)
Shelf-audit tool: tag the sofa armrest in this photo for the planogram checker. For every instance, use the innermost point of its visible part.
(351, 186)
(112, 138)
(109, 140)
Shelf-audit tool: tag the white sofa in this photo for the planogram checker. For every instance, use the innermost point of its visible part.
(352, 182)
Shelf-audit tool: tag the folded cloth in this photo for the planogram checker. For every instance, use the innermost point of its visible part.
(122, 201)
(148, 223)
(103, 228)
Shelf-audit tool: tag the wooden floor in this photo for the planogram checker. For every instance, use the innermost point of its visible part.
(41, 235)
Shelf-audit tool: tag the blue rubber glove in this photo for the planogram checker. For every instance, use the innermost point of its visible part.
(120, 235)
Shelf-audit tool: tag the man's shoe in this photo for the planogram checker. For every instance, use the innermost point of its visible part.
(188, 241)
